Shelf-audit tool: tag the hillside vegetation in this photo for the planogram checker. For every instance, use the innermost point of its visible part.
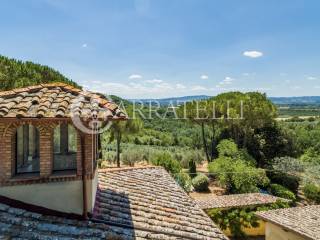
(16, 73)
(258, 150)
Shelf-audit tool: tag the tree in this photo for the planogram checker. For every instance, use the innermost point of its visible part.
(235, 169)
(233, 115)
(227, 148)
(312, 155)
(14, 74)
(122, 128)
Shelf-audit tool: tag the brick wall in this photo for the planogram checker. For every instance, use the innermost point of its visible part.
(46, 129)
(46, 150)
(7, 151)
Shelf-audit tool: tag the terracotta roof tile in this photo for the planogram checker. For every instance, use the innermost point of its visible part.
(55, 100)
(132, 204)
(149, 198)
(304, 221)
(237, 200)
(20, 224)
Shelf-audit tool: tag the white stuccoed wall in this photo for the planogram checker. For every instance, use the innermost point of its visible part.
(60, 196)
(274, 232)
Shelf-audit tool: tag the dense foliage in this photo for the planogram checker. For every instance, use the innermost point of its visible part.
(247, 149)
(165, 160)
(281, 191)
(200, 183)
(236, 219)
(14, 74)
(288, 181)
(236, 171)
(312, 192)
(287, 165)
(184, 180)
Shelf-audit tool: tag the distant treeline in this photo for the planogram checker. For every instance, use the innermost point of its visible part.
(16, 73)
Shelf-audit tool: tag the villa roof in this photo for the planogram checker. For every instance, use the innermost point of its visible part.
(56, 100)
(304, 221)
(149, 199)
(21, 224)
(136, 203)
(237, 200)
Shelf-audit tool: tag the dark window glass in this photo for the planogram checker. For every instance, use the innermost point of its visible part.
(27, 149)
(65, 148)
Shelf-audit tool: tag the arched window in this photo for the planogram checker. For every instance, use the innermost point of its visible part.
(27, 150)
(65, 148)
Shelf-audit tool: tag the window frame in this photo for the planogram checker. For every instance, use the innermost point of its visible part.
(54, 153)
(30, 173)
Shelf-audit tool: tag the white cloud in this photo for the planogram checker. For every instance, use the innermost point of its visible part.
(140, 89)
(248, 74)
(135, 76)
(226, 81)
(253, 54)
(135, 85)
(263, 89)
(204, 76)
(154, 81)
(311, 78)
(84, 45)
(198, 88)
(180, 86)
(295, 87)
(163, 86)
(316, 87)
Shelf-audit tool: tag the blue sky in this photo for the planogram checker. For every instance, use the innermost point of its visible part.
(162, 48)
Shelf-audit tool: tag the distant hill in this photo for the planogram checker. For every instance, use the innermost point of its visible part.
(15, 73)
(305, 100)
(173, 100)
(119, 100)
(296, 100)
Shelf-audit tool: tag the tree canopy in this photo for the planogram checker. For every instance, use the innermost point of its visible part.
(16, 73)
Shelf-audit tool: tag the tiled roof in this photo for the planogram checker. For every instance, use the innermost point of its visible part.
(304, 221)
(132, 204)
(237, 200)
(56, 100)
(21, 224)
(149, 198)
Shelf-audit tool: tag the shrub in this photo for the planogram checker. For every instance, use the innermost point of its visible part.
(281, 191)
(131, 156)
(165, 160)
(238, 176)
(248, 179)
(312, 155)
(312, 174)
(184, 180)
(289, 181)
(312, 192)
(110, 156)
(191, 155)
(227, 147)
(288, 165)
(200, 183)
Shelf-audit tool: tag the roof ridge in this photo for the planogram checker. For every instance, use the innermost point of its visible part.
(38, 86)
(116, 169)
(92, 99)
(285, 209)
